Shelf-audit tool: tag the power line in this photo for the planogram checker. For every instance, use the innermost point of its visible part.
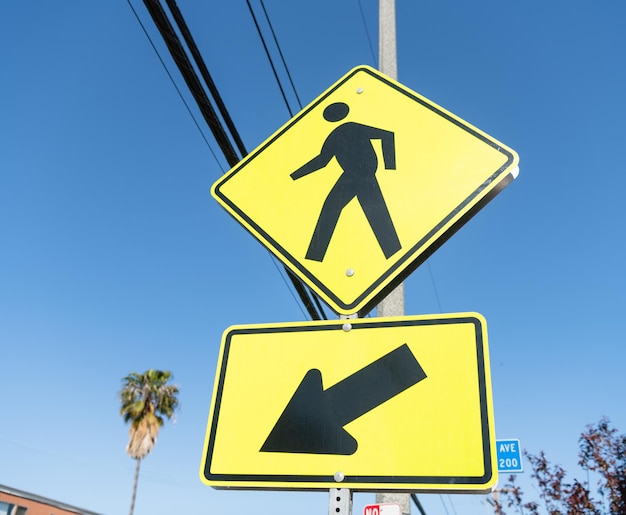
(367, 33)
(191, 44)
(432, 280)
(445, 508)
(178, 53)
(282, 58)
(451, 503)
(305, 293)
(269, 57)
(156, 51)
(186, 69)
(418, 504)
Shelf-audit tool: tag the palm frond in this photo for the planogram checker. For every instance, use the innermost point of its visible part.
(145, 399)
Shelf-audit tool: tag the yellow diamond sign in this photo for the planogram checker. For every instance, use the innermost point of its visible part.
(362, 185)
(384, 403)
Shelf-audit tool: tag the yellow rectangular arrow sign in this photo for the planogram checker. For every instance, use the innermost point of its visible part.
(366, 404)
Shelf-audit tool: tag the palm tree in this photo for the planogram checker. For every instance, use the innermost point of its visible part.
(145, 399)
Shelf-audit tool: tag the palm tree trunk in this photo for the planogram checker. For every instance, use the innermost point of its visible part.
(132, 501)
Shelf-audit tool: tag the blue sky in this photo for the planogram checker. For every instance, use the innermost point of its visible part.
(114, 257)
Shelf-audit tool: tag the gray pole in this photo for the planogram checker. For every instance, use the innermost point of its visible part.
(393, 304)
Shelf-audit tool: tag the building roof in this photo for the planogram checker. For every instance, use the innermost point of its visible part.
(45, 500)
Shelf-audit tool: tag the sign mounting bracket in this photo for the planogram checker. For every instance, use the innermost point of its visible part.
(340, 501)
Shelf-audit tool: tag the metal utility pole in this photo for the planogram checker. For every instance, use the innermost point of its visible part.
(393, 304)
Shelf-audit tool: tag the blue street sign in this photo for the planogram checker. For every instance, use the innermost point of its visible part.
(509, 456)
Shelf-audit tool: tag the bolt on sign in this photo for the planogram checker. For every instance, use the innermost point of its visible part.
(362, 185)
(367, 404)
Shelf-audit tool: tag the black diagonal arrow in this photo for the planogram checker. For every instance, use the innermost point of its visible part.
(313, 420)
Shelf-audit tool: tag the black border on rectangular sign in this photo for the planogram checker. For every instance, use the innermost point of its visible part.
(412, 482)
(409, 261)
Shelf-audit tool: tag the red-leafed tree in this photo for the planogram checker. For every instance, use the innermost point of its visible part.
(602, 451)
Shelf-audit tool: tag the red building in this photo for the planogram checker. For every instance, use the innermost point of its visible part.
(18, 502)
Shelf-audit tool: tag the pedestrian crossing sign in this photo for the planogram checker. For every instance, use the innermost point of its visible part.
(361, 186)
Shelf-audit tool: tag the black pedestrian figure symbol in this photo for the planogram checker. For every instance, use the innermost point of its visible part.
(350, 144)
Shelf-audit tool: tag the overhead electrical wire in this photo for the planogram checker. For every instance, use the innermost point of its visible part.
(191, 44)
(445, 508)
(280, 52)
(269, 58)
(156, 51)
(219, 164)
(307, 291)
(367, 33)
(182, 25)
(188, 72)
(451, 504)
(306, 295)
(286, 67)
(432, 280)
(193, 48)
(418, 504)
(186, 69)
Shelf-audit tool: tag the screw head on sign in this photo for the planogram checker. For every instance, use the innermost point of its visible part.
(339, 477)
